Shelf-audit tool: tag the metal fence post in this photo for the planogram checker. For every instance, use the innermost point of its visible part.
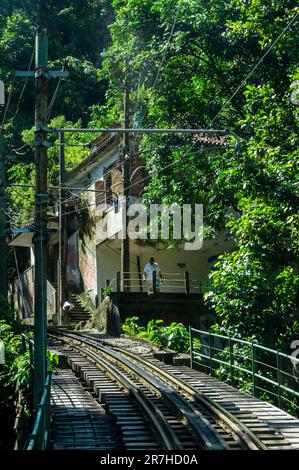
(48, 416)
(253, 368)
(191, 347)
(210, 354)
(231, 359)
(31, 356)
(118, 286)
(154, 282)
(39, 435)
(278, 366)
(23, 343)
(30, 352)
(187, 282)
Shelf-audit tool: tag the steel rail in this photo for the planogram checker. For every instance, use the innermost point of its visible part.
(239, 429)
(202, 431)
(161, 428)
(251, 441)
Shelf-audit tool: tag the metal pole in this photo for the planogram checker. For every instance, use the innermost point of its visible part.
(231, 360)
(253, 368)
(139, 274)
(3, 270)
(125, 242)
(210, 354)
(187, 282)
(154, 282)
(118, 283)
(278, 366)
(41, 201)
(191, 347)
(62, 231)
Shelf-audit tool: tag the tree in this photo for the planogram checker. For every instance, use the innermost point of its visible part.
(184, 70)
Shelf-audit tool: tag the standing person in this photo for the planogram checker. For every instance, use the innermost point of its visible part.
(149, 268)
(67, 307)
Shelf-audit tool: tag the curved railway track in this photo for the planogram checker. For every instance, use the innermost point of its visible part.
(179, 416)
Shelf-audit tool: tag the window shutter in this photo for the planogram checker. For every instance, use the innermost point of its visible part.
(137, 182)
(117, 183)
(101, 195)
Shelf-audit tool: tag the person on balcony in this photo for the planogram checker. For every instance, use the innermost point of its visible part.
(149, 268)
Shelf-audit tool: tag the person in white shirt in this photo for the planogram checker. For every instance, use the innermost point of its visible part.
(149, 268)
(67, 307)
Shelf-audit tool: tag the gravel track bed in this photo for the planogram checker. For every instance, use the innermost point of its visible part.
(137, 346)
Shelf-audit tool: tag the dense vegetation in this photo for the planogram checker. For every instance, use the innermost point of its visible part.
(174, 336)
(15, 380)
(16, 386)
(187, 63)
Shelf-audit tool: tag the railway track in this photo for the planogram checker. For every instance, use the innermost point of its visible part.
(178, 415)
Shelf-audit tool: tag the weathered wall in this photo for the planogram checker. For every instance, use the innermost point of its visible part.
(22, 294)
(72, 262)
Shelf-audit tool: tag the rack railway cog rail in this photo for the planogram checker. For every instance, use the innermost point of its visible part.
(158, 393)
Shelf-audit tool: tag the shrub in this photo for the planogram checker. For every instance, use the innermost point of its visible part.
(175, 336)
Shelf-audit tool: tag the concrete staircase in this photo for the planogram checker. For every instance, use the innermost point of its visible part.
(78, 313)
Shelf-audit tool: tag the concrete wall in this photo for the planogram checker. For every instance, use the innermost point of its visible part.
(22, 294)
(72, 262)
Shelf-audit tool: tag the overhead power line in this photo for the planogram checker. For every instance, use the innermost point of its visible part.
(20, 97)
(167, 45)
(29, 15)
(255, 67)
(24, 86)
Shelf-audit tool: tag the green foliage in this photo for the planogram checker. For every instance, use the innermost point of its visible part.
(253, 196)
(184, 76)
(16, 374)
(175, 336)
(86, 303)
(22, 198)
(53, 360)
(108, 290)
(131, 326)
(255, 288)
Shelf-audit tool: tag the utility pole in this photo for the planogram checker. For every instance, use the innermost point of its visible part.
(62, 231)
(125, 242)
(40, 239)
(41, 203)
(3, 270)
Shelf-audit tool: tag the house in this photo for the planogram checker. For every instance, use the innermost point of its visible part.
(94, 212)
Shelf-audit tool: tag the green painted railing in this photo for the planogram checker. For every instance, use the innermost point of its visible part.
(40, 436)
(265, 373)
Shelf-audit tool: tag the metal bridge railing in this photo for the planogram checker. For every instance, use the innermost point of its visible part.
(265, 373)
(40, 436)
(173, 282)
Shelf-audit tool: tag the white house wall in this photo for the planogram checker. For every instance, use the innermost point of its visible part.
(195, 262)
(99, 259)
